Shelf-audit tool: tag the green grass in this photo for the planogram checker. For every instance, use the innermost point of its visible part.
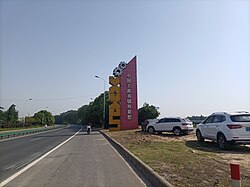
(176, 153)
(19, 128)
(179, 162)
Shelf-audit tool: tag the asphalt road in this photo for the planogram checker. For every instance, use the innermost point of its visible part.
(18, 152)
(85, 160)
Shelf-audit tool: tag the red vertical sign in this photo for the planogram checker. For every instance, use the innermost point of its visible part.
(128, 84)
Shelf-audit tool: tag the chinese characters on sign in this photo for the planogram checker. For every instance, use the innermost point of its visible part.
(123, 110)
(129, 99)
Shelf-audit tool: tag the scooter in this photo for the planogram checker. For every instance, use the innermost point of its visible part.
(88, 129)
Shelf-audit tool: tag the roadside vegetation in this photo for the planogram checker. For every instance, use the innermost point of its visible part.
(93, 113)
(147, 112)
(9, 119)
(183, 161)
(19, 128)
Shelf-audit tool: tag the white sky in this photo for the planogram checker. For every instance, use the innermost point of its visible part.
(193, 56)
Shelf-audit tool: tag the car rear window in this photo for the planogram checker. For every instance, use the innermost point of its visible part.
(173, 120)
(187, 120)
(240, 118)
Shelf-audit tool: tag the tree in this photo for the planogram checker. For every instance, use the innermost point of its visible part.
(44, 117)
(94, 112)
(30, 120)
(69, 116)
(147, 112)
(58, 119)
(81, 113)
(50, 120)
(2, 115)
(12, 114)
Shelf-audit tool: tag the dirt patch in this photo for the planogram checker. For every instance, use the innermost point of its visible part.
(183, 161)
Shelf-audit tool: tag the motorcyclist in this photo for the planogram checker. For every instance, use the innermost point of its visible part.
(89, 128)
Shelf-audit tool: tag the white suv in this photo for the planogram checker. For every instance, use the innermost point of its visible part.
(225, 128)
(177, 125)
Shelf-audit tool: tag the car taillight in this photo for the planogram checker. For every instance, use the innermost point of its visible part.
(184, 124)
(233, 126)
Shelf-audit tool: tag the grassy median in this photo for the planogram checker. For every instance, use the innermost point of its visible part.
(182, 160)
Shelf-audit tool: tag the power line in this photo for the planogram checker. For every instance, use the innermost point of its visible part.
(54, 99)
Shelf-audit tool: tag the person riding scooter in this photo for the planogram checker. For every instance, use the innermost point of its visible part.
(89, 128)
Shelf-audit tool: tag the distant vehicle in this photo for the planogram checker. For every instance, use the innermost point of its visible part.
(225, 128)
(89, 126)
(88, 129)
(146, 122)
(176, 125)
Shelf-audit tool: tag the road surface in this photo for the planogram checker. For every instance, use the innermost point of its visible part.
(85, 160)
(17, 152)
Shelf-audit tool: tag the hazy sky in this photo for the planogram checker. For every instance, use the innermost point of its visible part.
(193, 56)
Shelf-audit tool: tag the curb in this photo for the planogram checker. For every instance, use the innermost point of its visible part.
(149, 173)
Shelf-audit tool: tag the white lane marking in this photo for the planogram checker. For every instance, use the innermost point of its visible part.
(35, 139)
(12, 166)
(124, 160)
(35, 161)
(20, 164)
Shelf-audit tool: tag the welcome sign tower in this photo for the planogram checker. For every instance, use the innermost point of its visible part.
(123, 112)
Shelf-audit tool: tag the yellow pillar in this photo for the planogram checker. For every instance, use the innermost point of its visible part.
(114, 107)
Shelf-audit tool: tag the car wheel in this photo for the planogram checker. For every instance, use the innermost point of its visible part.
(185, 133)
(177, 131)
(222, 141)
(199, 136)
(232, 143)
(151, 130)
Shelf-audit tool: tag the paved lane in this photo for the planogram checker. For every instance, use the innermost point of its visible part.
(85, 160)
(17, 153)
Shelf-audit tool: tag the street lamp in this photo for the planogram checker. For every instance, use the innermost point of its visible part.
(103, 120)
(44, 116)
(25, 108)
(28, 100)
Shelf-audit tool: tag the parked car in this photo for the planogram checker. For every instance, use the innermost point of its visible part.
(176, 125)
(225, 128)
(146, 122)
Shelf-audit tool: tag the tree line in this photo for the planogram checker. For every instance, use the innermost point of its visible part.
(89, 113)
(10, 119)
(93, 113)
